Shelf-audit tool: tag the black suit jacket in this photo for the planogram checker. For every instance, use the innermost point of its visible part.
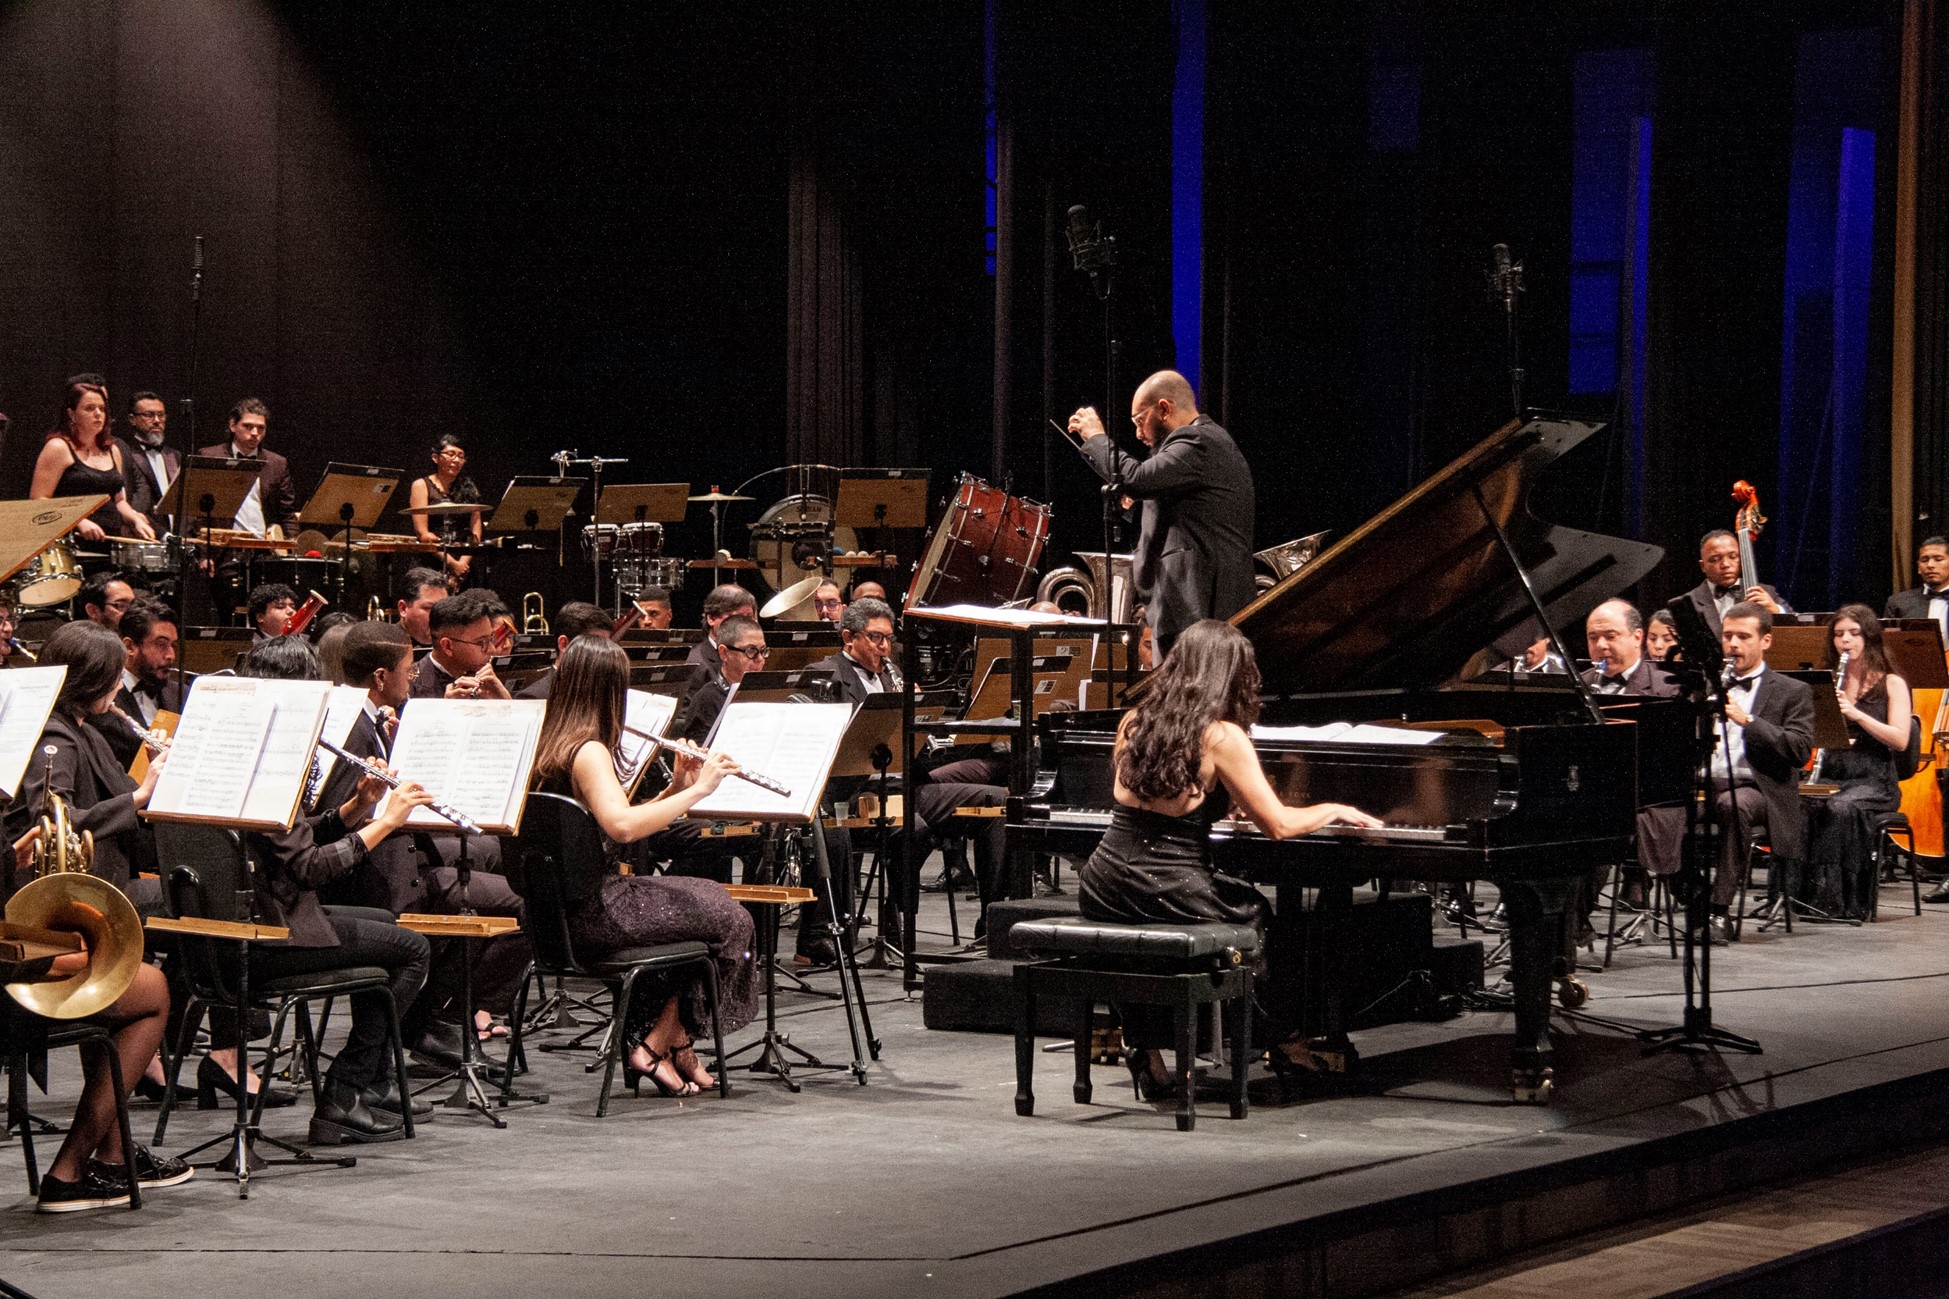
(1194, 552)
(1912, 603)
(1646, 681)
(123, 742)
(278, 492)
(849, 687)
(100, 796)
(139, 480)
(1702, 600)
(390, 874)
(1779, 740)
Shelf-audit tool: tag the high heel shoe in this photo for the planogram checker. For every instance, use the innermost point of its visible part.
(212, 1081)
(150, 1090)
(688, 1047)
(632, 1076)
(1145, 1083)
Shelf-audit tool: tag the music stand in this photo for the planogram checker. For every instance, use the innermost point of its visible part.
(623, 503)
(29, 527)
(535, 503)
(212, 488)
(881, 499)
(350, 497)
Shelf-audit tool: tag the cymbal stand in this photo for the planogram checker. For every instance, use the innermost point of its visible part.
(562, 461)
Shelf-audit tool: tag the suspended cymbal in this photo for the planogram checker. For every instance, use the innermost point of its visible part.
(447, 507)
(791, 597)
(715, 495)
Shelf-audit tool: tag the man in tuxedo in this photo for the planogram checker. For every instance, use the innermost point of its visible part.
(149, 466)
(1614, 633)
(576, 618)
(1755, 767)
(416, 871)
(148, 677)
(419, 590)
(270, 509)
(1194, 550)
(1723, 586)
(105, 599)
(723, 602)
(461, 665)
(1931, 599)
(738, 646)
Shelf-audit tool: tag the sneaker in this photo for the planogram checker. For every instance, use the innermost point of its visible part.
(150, 1171)
(90, 1192)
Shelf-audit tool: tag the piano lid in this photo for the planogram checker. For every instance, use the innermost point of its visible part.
(1406, 600)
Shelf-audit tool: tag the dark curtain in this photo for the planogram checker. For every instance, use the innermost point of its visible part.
(1930, 52)
(825, 378)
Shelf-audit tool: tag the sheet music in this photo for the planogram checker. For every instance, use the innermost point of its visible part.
(474, 754)
(215, 753)
(276, 785)
(985, 616)
(1348, 733)
(794, 744)
(342, 709)
(642, 711)
(26, 698)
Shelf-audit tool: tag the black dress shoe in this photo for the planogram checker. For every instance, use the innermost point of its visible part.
(212, 1081)
(343, 1118)
(438, 1045)
(383, 1098)
(1940, 895)
(817, 952)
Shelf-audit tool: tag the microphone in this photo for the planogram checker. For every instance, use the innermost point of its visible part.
(1089, 248)
(1505, 276)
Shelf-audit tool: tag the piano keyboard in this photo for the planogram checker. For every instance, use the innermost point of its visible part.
(1093, 819)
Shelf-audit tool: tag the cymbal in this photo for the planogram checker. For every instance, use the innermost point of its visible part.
(446, 507)
(715, 495)
(795, 594)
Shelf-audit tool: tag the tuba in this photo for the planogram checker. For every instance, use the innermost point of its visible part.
(65, 897)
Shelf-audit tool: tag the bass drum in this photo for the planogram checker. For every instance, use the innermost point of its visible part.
(984, 550)
(51, 577)
(792, 540)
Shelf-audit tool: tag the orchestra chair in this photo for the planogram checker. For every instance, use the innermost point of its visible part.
(1179, 966)
(25, 1038)
(217, 887)
(557, 863)
(1890, 826)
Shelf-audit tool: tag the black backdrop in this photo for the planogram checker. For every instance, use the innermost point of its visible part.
(717, 243)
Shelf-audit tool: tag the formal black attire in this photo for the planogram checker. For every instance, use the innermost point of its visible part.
(277, 495)
(1707, 599)
(430, 680)
(1840, 874)
(101, 800)
(145, 491)
(539, 687)
(1194, 549)
(1915, 603)
(1778, 741)
(1661, 826)
(80, 479)
(141, 703)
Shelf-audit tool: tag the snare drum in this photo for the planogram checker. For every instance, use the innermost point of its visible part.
(984, 551)
(134, 556)
(598, 541)
(643, 540)
(51, 577)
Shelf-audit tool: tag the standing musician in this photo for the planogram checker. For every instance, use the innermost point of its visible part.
(461, 665)
(419, 590)
(1194, 552)
(1722, 587)
(148, 464)
(1875, 700)
(1755, 766)
(1182, 757)
(149, 683)
(80, 457)
(1931, 599)
(269, 509)
(448, 483)
(1615, 635)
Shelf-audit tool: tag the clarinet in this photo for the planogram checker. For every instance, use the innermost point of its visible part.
(452, 814)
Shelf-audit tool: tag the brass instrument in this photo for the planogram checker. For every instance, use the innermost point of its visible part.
(65, 897)
(534, 613)
(375, 610)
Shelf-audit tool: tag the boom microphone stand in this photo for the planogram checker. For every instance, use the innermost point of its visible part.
(1505, 282)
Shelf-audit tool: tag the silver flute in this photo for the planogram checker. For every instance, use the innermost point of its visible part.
(155, 741)
(690, 750)
(370, 768)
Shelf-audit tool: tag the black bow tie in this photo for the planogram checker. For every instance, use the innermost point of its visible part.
(1942, 594)
(1723, 591)
(1743, 683)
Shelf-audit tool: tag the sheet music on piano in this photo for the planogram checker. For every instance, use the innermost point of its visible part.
(1346, 732)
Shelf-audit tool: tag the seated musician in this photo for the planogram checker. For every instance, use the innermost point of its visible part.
(12, 655)
(576, 756)
(1660, 636)
(868, 589)
(1755, 768)
(1182, 757)
(653, 602)
(1931, 598)
(80, 458)
(576, 618)
(1840, 874)
(448, 483)
(419, 590)
(104, 599)
(90, 1169)
(1615, 635)
(1722, 587)
(359, 1101)
(827, 602)
(723, 602)
(149, 682)
(416, 872)
(461, 665)
(271, 607)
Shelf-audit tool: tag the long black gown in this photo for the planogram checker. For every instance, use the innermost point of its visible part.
(1840, 828)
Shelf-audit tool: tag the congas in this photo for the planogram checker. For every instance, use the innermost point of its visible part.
(51, 577)
(598, 541)
(984, 550)
(644, 540)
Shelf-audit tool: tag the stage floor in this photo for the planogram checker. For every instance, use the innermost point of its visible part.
(924, 1181)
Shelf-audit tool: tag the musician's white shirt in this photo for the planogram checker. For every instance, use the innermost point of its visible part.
(250, 515)
(1729, 757)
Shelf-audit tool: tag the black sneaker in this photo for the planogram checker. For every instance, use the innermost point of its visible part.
(150, 1171)
(90, 1192)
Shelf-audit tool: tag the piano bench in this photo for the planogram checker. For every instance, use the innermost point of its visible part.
(1179, 966)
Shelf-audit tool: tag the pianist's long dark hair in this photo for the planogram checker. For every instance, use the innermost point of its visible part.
(1210, 675)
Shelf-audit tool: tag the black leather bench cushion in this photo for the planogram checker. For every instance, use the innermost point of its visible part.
(616, 964)
(1066, 937)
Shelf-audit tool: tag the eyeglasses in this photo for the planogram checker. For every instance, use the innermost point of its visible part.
(882, 638)
(756, 653)
(485, 644)
(1137, 416)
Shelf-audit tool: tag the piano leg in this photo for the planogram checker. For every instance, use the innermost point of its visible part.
(1535, 908)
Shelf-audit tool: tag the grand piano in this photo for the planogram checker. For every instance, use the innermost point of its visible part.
(1527, 785)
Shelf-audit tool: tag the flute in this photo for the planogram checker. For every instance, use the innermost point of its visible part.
(689, 750)
(452, 814)
(156, 741)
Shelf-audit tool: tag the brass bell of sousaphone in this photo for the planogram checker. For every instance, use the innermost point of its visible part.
(66, 897)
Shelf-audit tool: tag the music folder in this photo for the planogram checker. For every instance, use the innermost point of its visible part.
(242, 753)
(26, 698)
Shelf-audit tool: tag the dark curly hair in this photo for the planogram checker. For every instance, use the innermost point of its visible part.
(1210, 675)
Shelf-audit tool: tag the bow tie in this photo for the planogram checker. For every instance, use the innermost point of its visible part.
(1745, 683)
(1939, 594)
(1724, 591)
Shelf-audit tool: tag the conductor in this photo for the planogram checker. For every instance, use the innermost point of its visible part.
(1194, 551)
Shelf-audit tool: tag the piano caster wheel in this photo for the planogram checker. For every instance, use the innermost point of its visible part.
(1572, 993)
(1532, 1086)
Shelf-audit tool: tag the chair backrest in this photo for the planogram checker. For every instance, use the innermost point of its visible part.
(556, 865)
(1909, 760)
(203, 869)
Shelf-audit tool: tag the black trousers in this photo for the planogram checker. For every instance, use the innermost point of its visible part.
(366, 937)
(934, 804)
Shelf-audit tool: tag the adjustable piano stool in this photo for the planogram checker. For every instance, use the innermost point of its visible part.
(1180, 966)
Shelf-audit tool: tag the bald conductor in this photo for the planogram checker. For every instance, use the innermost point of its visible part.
(1194, 553)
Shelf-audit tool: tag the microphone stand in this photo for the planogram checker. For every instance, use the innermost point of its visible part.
(187, 402)
(1505, 282)
(1096, 254)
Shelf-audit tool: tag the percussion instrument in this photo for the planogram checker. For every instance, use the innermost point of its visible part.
(298, 574)
(446, 507)
(984, 550)
(386, 543)
(794, 603)
(51, 577)
(635, 574)
(795, 537)
(599, 541)
(644, 539)
(133, 555)
(717, 497)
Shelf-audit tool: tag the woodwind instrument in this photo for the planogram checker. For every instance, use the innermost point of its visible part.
(446, 810)
(1820, 755)
(306, 612)
(22, 650)
(690, 750)
(155, 741)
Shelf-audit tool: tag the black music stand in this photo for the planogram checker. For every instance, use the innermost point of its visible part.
(622, 503)
(209, 488)
(535, 503)
(880, 499)
(350, 498)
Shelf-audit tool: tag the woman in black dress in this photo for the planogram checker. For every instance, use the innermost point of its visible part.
(576, 756)
(81, 458)
(1841, 828)
(448, 484)
(1181, 757)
